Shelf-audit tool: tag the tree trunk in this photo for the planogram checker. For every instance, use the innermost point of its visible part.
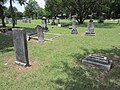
(3, 22)
(80, 20)
(2, 16)
(12, 13)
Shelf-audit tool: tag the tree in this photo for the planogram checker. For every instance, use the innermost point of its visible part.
(19, 15)
(31, 9)
(12, 12)
(54, 7)
(2, 16)
(115, 8)
(82, 8)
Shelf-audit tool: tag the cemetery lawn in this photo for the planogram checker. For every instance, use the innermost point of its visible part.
(56, 64)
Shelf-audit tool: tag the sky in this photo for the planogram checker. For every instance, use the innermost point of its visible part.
(21, 8)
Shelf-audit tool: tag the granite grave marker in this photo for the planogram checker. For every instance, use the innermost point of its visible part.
(20, 45)
(74, 30)
(40, 33)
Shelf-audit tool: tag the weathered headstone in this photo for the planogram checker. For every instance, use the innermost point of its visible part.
(90, 28)
(99, 61)
(20, 45)
(44, 24)
(40, 33)
(53, 21)
(58, 22)
(74, 30)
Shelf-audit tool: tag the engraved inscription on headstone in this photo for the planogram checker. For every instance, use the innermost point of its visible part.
(40, 33)
(74, 30)
(20, 45)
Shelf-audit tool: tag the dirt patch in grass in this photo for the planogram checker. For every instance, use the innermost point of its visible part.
(20, 69)
(82, 33)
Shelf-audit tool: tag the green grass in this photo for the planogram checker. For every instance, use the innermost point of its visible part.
(57, 64)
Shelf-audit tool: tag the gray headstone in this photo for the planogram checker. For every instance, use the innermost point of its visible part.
(20, 45)
(40, 33)
(90, 28)
(44, 24)
(58, 19)
(29, 20)
(6, 20)
(10, 20)
(53, 21)
(74, 30)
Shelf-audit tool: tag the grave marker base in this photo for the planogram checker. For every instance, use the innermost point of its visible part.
(90, 33)
(21, 64)
(74, 32)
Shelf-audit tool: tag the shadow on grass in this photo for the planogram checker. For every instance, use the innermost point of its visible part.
(87, 77)
(6, 43)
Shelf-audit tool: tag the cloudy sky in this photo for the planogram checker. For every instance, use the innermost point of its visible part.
(21, 8)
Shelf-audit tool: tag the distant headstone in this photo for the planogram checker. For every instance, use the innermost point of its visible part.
(74, 30)
(58, 20)
(10, 20)
(44, 24)
(40, 33)
(26, 20)
(48, 20)
(29, 20)
(90, 28)
(20, 45)
(53, 21)
(6, 20)
(98, 60)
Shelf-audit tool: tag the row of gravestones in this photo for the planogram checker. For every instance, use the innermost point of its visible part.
(9, 20)
(90, 26)
(26, 20)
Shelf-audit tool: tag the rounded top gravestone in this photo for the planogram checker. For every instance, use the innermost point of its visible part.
(44, 24)
(40, 33)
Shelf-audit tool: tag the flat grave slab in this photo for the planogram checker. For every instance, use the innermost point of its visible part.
(47, 38)
(98, 60)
